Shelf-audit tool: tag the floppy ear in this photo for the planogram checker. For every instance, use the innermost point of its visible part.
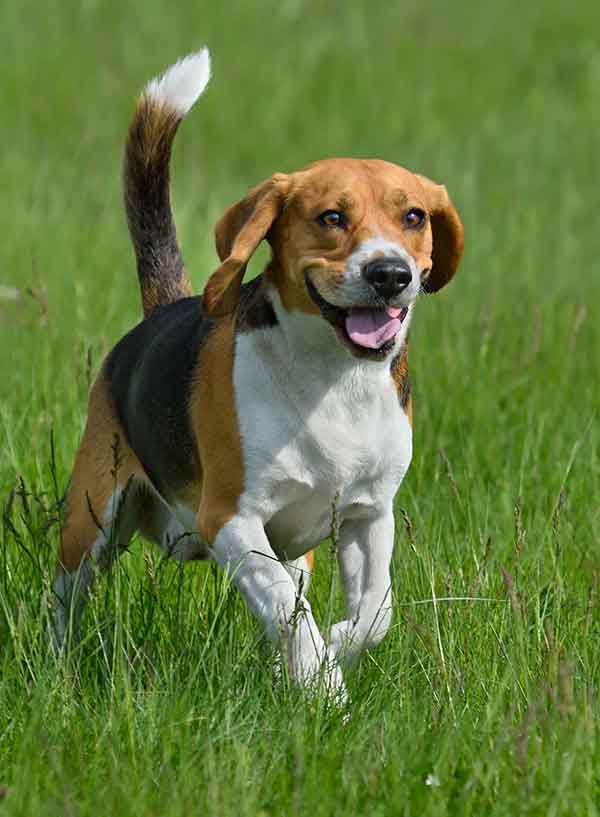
(238, 233)
(448, 236)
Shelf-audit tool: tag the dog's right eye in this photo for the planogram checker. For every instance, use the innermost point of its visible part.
(332, 218)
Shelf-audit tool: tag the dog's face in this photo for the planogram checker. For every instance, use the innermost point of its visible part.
(354, 241)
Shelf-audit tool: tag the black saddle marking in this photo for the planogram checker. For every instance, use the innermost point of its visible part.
(150, 372)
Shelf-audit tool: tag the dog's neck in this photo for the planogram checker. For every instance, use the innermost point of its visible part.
(303, 349)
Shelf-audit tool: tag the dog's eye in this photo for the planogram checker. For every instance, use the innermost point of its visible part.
(332, 218)
(414, 218)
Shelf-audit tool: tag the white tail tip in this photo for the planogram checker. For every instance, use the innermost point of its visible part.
(181, 84)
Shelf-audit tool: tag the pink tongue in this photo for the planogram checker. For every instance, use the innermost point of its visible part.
(373, 327)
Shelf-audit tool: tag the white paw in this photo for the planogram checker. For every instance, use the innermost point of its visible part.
(342, 641)
(347, 639)
(311, 664)
(334, 680)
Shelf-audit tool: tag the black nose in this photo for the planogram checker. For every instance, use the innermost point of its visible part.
(388, 276)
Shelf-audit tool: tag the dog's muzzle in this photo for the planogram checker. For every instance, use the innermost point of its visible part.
(368, 331)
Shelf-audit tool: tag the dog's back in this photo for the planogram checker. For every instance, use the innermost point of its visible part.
(149, 376)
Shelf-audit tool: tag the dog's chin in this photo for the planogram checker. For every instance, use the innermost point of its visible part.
(337, 316)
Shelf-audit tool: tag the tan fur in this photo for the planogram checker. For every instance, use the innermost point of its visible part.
(399, 371)
(215, 425)
(237, 235)
(104, 463)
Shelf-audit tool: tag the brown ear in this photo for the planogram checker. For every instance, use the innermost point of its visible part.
(448, 237)
(238, 233)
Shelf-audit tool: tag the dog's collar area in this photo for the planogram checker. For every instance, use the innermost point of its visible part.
(376, 328)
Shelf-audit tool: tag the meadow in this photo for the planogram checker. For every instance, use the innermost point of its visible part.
(483, 699)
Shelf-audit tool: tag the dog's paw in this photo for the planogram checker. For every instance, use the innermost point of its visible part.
(342, 641)
(320, 673)
(328, 681)
(312, 665)
(331, 676)
(348, 639)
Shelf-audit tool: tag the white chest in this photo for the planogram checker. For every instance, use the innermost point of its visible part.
(316, 435)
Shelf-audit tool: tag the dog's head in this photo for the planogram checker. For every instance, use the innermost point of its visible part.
(354, 241)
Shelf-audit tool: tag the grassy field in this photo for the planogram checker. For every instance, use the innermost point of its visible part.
(483, 700)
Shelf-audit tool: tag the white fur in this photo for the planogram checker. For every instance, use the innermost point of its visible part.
(70, 590)
(118, 525)
(323, 436)
(318, 340)
(299, 572)
(241, 547)
(182, 84)
(365, 553)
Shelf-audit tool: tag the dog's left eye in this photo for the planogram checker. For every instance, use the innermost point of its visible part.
(414, 218)
(332, 218)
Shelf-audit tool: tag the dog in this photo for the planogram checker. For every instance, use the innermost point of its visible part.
(227, 426)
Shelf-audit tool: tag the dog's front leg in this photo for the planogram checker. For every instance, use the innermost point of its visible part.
(364, 555)
(242, 548)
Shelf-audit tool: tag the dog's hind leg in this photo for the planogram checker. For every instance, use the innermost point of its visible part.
(103, 505)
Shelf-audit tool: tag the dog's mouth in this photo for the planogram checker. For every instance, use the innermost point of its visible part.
(369, 332)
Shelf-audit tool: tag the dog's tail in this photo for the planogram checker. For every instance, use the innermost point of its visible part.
(161, 107)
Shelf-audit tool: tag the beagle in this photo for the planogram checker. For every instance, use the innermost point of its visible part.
(229, 425)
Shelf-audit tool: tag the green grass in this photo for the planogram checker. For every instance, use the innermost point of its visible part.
(170, 705)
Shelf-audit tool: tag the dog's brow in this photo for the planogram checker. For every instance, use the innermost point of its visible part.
(397, 197)
(346, 202)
